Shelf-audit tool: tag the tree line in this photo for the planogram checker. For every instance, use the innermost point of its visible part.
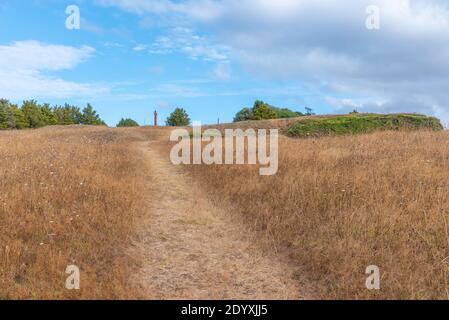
(264, 111)
(34, 115)
(260, 111)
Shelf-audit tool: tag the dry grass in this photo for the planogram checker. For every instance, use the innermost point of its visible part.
(68, 196)
(340, 204)
(337, 205)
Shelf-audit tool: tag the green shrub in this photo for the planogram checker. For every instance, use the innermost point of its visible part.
(178, 118)
(264, 111)
(243, 115)
(361, 123)
(127, 123)
(284, 113)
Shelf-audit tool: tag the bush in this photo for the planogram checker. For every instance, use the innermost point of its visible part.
(178, 118)
(264, 111)
(361, 123)
(127, 123)
(284, 113)
(243, 115)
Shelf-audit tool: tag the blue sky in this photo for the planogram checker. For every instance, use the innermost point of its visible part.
(213, 57)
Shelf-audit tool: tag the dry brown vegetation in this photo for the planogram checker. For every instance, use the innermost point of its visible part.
(338, 205)
(67, 196)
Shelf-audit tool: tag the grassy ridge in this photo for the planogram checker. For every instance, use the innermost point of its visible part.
(361, 123)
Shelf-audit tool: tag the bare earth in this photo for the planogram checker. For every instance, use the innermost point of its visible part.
(194, 250)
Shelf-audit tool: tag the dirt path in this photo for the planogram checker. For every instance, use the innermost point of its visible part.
(193, 250)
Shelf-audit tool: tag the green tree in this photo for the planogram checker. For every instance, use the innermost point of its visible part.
(90, 116)
(11, 117)
(33, 114)
(178, 118)
(4, 106)
(309, 111)
(67, 114)
(127, 123)
(263, 111)
(243, 115)
(48, 116)
(20, 121)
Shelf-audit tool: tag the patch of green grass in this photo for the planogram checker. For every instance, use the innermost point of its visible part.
(361, 123)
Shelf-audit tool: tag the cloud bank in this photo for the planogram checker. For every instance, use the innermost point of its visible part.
(27, 69)
(403, 66)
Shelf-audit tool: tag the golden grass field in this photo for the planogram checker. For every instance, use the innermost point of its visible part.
(67, 196)
(338, 204)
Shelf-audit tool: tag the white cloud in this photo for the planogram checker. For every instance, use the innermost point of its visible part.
(172, 90)
(222, 71)
(198, 9)
(33, 56)
(186, 41)
(26, 68)
(163, 45)
(140, 47)
(111, 44)
(404, 66)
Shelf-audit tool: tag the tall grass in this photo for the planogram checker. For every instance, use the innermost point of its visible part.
(68, 196)
(337, 205)
(340, 204)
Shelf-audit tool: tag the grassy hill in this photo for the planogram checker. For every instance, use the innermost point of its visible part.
(361, 123)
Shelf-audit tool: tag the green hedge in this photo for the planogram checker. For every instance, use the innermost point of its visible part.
(361, 123)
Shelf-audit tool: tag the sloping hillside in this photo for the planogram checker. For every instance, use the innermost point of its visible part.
(340, 204)
(339, 124)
